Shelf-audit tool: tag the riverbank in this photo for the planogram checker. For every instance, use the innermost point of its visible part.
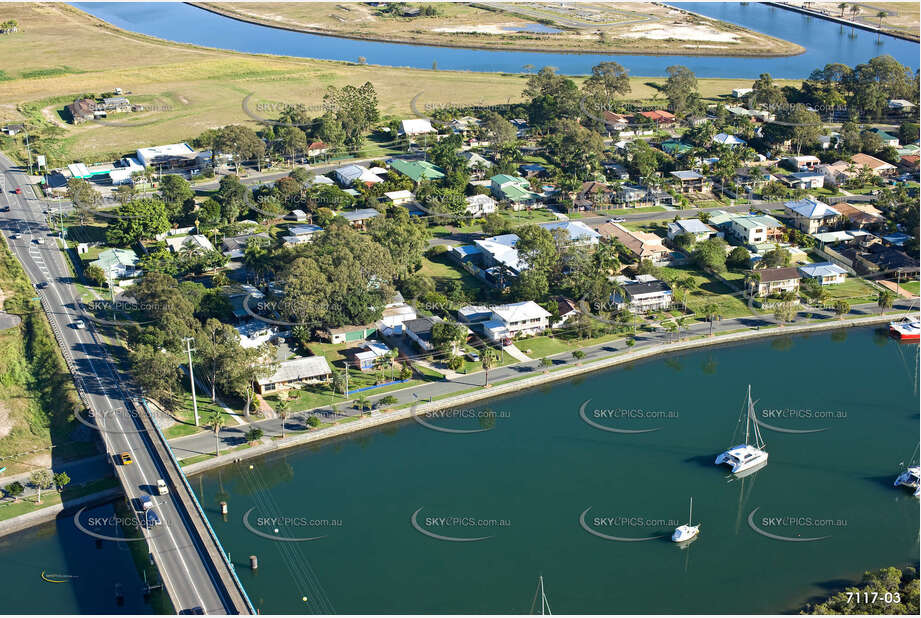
(476, 394)
(899, 34)
(717, 38)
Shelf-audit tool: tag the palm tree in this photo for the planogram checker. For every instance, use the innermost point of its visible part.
(712, 311)
(884, 301)
(881, 16)
(216, 419)
(752, 281)
(842, 6)
(282, 409)
(488, 360)
(687, 284)
(842, 308)
(362, 402)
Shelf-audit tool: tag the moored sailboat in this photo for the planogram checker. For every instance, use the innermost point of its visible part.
(746, 456)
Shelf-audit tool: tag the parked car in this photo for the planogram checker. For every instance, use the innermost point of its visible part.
(473, 356)
(162, 489)
(18, 191)
(616, 220)
(126, 458)
(39, 241)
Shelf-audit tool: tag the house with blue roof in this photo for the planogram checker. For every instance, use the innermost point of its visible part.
(690, 181)
(578, 232)
(826, 273)
(810, 215)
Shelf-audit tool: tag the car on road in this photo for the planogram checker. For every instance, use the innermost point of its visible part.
(126, 458)
(146, 502)
(152, 518)
(18, 191)
(162, 489)
(5, 209)
(474, 356)
(79, 324)
(15, 236)
(39, 241)
(41, 285)
(616, 220)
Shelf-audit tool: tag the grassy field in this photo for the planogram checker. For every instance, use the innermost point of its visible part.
(853, 290)
(469, 25)
(203, 88)
(912, 286)
(442, 270)
(710, 290)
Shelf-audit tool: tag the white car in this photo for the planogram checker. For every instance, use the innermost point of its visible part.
(162, 489)
(79, 324)
(40, 241)
(14, 236)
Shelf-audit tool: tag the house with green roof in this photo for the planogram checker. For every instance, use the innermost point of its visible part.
(417, 170)
(513, 189)
(887, 138)
(751, 230)
(118, 264)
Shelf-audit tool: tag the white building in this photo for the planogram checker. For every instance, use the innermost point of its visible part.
(290, 373)
(480, 205)
(415, 126)
(501, 322)
(643, 294)
(196, 243)
(695, 227)
(398, 198)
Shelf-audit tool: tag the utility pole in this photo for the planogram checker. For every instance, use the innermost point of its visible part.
(346, 379)
(188, 347)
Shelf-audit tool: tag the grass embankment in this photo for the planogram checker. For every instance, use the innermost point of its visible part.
(37, 395)
(199, 88)
(10, 509)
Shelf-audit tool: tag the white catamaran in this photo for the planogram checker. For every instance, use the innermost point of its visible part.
(746, 456)
(688, 532)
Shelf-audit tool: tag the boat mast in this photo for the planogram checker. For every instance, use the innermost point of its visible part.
(759, 442)
(748, 413)
(691, 511)
(544, 604)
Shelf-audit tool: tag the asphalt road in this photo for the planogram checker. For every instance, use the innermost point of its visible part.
(189, 575)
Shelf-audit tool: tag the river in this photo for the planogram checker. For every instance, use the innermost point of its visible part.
(525, 482)
(824, 41)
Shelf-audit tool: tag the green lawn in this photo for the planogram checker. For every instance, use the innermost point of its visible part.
(854, 290)
(9, 509)
(912, 286)
(710, 290)
(523, 217)
(442, 270)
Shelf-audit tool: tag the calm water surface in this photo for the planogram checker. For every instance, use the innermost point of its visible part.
(825, 42)
(526, 482)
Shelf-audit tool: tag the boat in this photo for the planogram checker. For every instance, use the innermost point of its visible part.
(746, 456)
(906, 329)
(544, 603)
(910, 477)
(687, 532)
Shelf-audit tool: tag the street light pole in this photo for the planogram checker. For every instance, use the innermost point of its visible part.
(188, 347)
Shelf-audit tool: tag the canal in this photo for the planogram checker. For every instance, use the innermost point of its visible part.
(410, 519)
(824, 41)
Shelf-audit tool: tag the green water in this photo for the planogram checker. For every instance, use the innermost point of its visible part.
(59, 549)
(541, 466)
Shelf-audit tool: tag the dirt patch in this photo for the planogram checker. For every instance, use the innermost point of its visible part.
(6, 423)
(41, 460)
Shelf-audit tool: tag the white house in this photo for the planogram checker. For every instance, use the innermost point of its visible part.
(398, 198)
(643, 294)
(415, 126)
(290, 373)
(810, 215)
(577, 232)
(515, 319)
(480, 205)
(826, 273)
(196, 243)
(695, 227)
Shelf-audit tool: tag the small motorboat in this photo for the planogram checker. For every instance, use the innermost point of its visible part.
(910, 478)
(906, 329)
(687, 532)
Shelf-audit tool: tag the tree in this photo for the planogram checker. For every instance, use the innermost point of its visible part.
(898, 585)
(95, 275)
(177, 194)
(246, 368)
(82, 194)
(241, 143)
(711, 254)
(216, 419)
(575, 149)
(488, 360)
(14, 490)
(156, 373)
(681, 90)
(404, 239)
(41, 479)
(578, 355)
(608, 81)
(777, 257)
(752, 282)
(546, 362)
(61, 479)
(448, 336)
(884, 300)
(765, 93)
(501, 132)
(739, 258)
(352, 111)
(253, 434)
(712, 312)
(217, 345)
(842, 308)
(140, 219)
(313, 421)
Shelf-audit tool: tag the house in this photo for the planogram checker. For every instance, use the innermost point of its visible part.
(690, 181)
(417, 170)
(420, 331)
(365, 356)
(475, 161)
(615, 171)
(747, 229)
(565, 308)
(117, 264)
(193, 243)
(529, 170)
(315, 149)
(513, 189)
(501, 323)
(254, 333)
(398, 198)
(300, 234)
(860, 215)
(628, 194)
(829, 141)
(810, 215)
(877, 166)
(825, 273)
(348, 175)
(695, 227)
(395, 314)
(643, 294)
(345, 334)
(115, 104)
(804, 180)
(837, 173)
(725, 139)
(500, 251)
(415, 126)
(291, 373)
(591, 194)
(235, 246)
(804, 163)
(169, 156)
(614, 121)
(887, 138)
(909, 162)
(360, 217)
(660, 117)
(752, 177)
(81, 110)
(576, 232)
(12, 129)
(775, 281)
(464, 124)
(739, 93)
(900, 105)
(644, 245)
(480, 205)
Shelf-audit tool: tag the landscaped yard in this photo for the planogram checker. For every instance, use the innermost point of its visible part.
(854, 290)
(442, 270)
(912, 286)
(710, 290)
